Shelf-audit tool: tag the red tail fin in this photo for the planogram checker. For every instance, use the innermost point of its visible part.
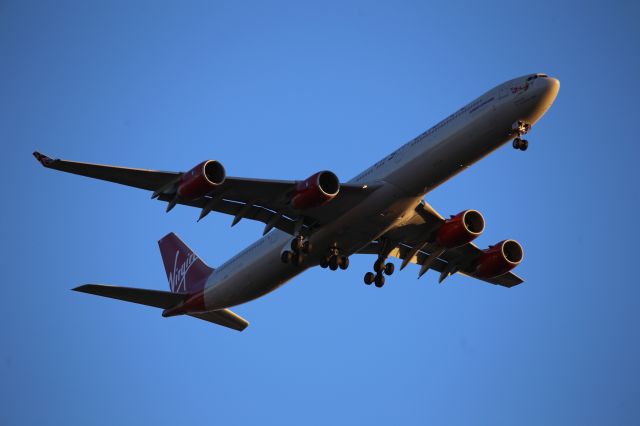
(185, 271)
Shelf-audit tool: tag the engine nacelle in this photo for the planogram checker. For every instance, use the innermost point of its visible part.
(315, 191)
(460, 229)
(499, 259)
(201, 180)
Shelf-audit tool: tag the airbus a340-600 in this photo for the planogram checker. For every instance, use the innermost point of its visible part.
(322, 221)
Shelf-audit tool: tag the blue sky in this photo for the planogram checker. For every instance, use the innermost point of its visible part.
(281, 90)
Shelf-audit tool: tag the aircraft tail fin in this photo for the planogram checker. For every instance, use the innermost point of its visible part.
(186, 272)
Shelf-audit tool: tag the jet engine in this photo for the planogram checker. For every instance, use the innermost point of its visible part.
(315, 191)
(499, 259)
(201, 180)
(460, 229)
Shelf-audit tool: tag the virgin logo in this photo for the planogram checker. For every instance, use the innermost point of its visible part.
(522, 88)
(178, 278)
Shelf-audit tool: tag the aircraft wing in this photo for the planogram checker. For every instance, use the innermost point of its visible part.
(264, 200)
(415, 240)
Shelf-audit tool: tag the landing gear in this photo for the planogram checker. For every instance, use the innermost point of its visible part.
(290, 257)
(389, 268)
(334, 260)
(299, 244)
(519, 129)
(381, 269)
(378, 265)
(344, 262)
(521, 144)
(286, 256)
(369, 277)
(299, 247)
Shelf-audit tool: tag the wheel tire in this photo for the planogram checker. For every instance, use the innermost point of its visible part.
(389, 268)
(378, 266)
(296, 244)
(516, 143)
(524, 144)
(286, 256)
(324, 262)
(369, 277)
(333, 263)
(344, 262)
(379, 280)
(306, 247)
(298, 258)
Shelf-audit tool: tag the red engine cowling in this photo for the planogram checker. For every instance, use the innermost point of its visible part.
(499, 259)
(460, 229)
(201, 180)
(315, 191)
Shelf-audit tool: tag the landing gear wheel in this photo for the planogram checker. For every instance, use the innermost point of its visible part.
(324, 262)
(306, 247)
(286, 256)
(334, 263)
(296, 244)
(344, 262)
(298, 258)
(516, 143)
(379, 280)
(389, 268)
(378, 266)
(369, 277)
(524, 144)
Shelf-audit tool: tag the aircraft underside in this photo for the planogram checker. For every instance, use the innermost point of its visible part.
(321, 221)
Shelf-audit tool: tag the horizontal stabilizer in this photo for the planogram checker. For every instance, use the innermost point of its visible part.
(163, 300)
(155, 298)
(225, 318)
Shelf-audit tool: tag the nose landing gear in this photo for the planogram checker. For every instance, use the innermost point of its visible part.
(521, 144)
(519, 129)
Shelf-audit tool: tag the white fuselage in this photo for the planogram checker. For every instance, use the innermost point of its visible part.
(404, 177)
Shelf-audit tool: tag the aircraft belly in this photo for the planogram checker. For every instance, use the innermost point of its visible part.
(446, 157)
(255, 274)
(408, 174)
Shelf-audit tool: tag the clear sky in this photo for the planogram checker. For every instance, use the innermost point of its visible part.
(281, 90)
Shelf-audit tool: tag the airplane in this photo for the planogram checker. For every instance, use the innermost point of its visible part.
(323, 221)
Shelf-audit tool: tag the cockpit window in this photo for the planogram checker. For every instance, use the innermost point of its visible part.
(533, 77)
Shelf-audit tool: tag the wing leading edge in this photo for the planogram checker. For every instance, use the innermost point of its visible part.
(264, 200)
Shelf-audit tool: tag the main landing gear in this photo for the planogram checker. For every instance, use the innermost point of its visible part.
(334, 260)
(381, 269)
(299, 248)
(518, 129)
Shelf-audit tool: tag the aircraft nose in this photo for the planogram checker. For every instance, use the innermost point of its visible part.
(550, 87)
(547, 89)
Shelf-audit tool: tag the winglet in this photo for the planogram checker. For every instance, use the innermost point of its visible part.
(43, 159)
